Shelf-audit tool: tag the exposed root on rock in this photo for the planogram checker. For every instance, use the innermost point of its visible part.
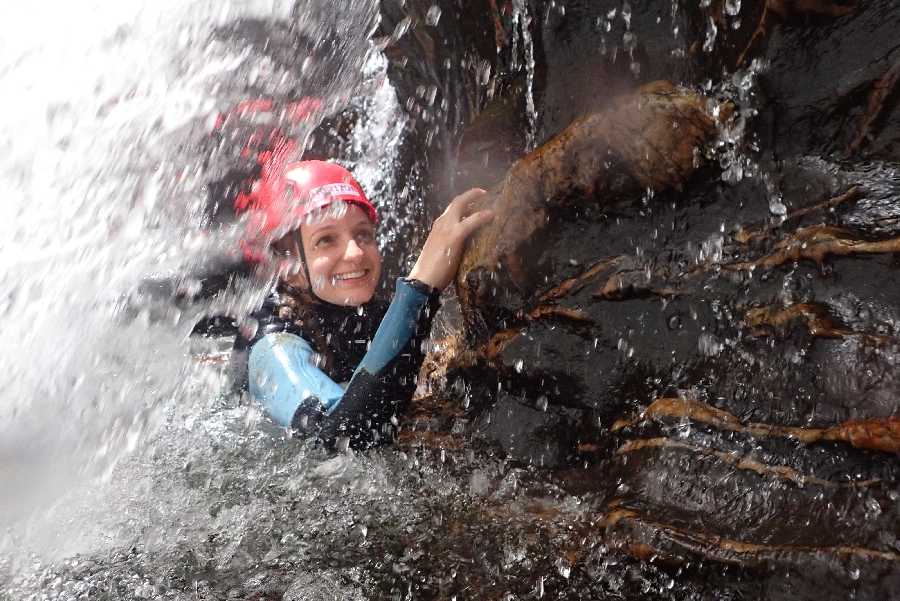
(877, 433)
(814, 317)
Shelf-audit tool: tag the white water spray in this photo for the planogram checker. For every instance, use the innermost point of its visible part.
(98, 101)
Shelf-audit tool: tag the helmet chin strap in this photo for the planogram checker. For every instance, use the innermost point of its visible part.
(298, 239)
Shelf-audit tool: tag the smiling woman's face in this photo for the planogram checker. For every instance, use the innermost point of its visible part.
(342, 257)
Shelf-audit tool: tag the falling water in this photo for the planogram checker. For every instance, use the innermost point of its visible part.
(84, 222)
(521, 25)
(105, 187)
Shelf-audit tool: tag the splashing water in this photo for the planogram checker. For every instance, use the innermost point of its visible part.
(77, 236)
(105, 182)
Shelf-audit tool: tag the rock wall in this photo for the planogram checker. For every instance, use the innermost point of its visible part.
(696, 307)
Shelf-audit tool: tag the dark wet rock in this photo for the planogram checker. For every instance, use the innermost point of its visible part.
(650, 142)
(721, 353)
(830, 88)
(523, 429)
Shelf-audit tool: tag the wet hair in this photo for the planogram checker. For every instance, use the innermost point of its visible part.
(298, 307)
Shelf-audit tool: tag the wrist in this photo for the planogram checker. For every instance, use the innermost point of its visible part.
(420, 286)
(426, 276)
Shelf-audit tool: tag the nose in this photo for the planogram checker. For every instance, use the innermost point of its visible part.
(353, 252)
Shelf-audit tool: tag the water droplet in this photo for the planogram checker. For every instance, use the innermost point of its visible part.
(777, 207)
(479, 483)
(483, 73)
(626, 14)
(541, 403)
(248, 327)
(874, 509)
(434, 15)
(360, 530)
(708, 345)
(431, 94)
(674, 322)
(710, 35)
(401, 28)
(519, 365)
(319, 283)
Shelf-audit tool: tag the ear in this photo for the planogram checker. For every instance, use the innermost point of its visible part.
(297, 279)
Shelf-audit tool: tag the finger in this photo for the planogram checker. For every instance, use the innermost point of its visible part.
(460, 205)
(473, 222)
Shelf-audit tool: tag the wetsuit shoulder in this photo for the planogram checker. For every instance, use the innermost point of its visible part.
(261, 323)
(257, 325)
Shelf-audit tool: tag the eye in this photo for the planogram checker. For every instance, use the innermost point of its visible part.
(323, 241)
(365, 236)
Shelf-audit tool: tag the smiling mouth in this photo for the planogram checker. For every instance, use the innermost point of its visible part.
(352, 275)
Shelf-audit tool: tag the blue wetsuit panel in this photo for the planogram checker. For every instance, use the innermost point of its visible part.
(281, 370)
(282, 375)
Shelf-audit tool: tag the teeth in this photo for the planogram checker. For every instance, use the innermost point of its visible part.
(350, 276)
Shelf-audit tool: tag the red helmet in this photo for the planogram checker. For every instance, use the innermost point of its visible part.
(317, 184)
(286, 194)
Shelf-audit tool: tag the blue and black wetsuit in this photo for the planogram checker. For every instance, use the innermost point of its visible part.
(334, 371)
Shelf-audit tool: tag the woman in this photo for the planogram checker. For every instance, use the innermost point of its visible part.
(326, 357)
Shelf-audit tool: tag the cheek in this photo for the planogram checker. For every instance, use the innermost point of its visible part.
(320, 266)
